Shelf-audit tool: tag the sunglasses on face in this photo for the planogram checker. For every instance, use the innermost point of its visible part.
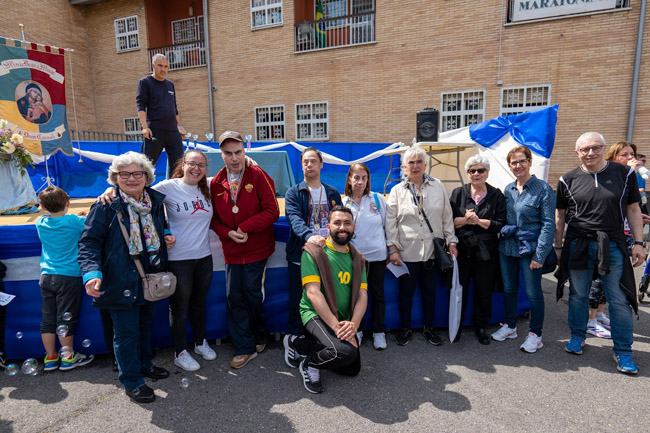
(477, 170)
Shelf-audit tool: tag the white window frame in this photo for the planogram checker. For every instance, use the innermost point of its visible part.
(526, 91)
(127, 34)
(185, 25)
(329, 25)
(132, 125)
(270, 123)
(464, 112)
(267, 7)
(312, 122)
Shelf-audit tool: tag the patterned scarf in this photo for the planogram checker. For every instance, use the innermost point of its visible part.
(140, 216)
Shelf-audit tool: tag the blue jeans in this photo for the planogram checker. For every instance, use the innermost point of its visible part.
(620, 311)
(132, 342)
(510, 268)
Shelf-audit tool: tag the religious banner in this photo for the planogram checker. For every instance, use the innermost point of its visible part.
(32, 95)
(523, 10)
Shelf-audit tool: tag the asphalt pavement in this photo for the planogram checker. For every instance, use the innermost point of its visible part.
(460, 387)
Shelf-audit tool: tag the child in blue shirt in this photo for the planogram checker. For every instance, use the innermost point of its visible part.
(61, 284)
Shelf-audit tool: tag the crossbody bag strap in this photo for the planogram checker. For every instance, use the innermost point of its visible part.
(138, 263)
(424, 214)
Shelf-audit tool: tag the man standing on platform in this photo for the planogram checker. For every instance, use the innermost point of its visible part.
(332, 306)
(158, 114)
(593, 200)
(307, 206)
(245, 208)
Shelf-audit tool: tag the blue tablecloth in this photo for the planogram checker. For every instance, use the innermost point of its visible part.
(20, 250)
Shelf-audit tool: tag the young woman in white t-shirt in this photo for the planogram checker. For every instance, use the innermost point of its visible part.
(189, 212)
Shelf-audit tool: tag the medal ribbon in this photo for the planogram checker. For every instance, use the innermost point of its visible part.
(234, 192)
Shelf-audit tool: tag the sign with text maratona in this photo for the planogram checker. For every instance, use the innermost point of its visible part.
(524, 10)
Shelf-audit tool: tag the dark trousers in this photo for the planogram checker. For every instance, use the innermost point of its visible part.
(426, 275)
(61, 294)
(376, 271)
(324, 350)
(171, 141)
(295, 295)
(107, 326)
(193, 279)
(132, 342)
(245, 307)
(483, 275)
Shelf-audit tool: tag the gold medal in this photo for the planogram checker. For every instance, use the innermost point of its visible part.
(235, 209)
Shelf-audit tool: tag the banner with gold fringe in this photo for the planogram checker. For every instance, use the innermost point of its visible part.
(32, 95)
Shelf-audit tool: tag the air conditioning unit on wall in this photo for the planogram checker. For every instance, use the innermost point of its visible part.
(176, 58)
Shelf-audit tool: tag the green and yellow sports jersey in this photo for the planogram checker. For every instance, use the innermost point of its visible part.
(341, 264)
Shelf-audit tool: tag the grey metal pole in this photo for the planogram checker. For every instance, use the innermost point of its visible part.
(637, 67)
(207, 59)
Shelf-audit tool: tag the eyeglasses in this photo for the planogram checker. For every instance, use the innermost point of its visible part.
(477, 170)
(127, 174)
(418, 161)
(192, 164)
(516, 163)
(594, 149)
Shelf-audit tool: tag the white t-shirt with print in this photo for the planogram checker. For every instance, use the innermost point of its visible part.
(318, 200)
(189, 215)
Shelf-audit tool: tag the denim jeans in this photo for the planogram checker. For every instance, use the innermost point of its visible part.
(510, 268)
(620, 311)
(132, 342)
(193, 279)
(245, 307)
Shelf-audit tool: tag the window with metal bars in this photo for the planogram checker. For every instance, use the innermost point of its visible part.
(270, 123)
(266, 13)
(460, 109)
(127, 36)
(516, 100)
(312, 121)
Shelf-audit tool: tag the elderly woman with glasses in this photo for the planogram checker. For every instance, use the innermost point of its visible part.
(417, 211)
(189, 212)
(109, 272)
(525, 243)
(479, 214)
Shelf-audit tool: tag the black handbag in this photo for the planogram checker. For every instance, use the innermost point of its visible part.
(442, 259)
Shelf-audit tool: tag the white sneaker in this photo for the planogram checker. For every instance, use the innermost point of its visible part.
(595, 328)
(185, 361)
(532, 343)
(360, 337)
(205, 351)
(603, 320)
(505, 332)
(379, 340)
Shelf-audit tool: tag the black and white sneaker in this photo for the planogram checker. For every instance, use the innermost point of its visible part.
(311, 378)
(291, 356)
(3, 360)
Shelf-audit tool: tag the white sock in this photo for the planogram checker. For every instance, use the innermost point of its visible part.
(592, 322)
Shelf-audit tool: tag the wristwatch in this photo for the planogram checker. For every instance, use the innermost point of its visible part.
(641, 243)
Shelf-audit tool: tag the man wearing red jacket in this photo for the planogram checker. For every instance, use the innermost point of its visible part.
(245, 208)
